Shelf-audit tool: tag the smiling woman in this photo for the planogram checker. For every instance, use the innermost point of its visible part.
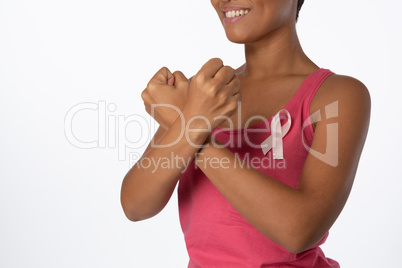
(235, 209)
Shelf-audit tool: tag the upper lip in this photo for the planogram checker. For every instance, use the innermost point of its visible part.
(229, 8)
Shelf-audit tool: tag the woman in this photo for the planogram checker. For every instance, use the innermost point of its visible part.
(273, 146)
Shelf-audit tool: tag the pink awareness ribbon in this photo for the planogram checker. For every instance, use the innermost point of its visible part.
(277, 133)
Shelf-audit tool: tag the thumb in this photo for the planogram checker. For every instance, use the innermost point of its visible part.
(170, 79)
(163, 76)
(180, 77)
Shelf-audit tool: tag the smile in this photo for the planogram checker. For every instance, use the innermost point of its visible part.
(236, 13)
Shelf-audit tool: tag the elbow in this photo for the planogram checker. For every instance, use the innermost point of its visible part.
(135, 210)
(133, 218)
(129, 203)
(302, 241)
(296, 247)
(129, 210)
(138, 202)
(297, 237)
(131, 214)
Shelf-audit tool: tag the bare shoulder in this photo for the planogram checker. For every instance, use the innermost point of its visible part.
(342, 87)
(349, 94)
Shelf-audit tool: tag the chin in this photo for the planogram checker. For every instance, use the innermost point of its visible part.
(237, 40)
(240, 37)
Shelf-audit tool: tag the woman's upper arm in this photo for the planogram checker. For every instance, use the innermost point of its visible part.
(332, 162)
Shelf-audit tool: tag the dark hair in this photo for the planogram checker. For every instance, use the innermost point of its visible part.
(299, 5)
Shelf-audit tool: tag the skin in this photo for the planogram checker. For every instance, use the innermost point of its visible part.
(274, 69)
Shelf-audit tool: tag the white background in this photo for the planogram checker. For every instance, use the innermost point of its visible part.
(60, 204)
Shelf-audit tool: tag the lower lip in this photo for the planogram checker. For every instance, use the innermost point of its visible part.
(234, 19)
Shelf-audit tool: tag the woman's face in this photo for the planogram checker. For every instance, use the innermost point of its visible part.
(247, 21)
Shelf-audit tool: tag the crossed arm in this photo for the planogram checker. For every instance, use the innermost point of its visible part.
(294, 218)
(298, 218)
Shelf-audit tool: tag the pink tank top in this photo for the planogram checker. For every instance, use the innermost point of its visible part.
(216, 235)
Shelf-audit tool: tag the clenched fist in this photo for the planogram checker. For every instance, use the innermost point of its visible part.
(213, 94)
(165, 96)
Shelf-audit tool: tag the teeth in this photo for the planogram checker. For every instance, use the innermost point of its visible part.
(235, 13)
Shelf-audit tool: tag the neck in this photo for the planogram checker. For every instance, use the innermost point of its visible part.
(278, 53)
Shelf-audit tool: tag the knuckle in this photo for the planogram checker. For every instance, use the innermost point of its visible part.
(217, 61)
(223, 99)
(150, 83)
(223, 96)
(144, 94)
(227, 68)
(234, 84)
(163, 69)
(151, 87)
(211, 91)
(233, 104)
(199, 79)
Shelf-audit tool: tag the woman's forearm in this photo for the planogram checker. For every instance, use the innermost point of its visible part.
(149, 184)
(275, 209)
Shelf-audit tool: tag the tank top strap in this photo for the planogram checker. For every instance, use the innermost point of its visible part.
(311, 85)
(307, 92)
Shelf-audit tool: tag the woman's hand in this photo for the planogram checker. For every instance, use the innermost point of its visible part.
(213, 94)
(165, 96)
